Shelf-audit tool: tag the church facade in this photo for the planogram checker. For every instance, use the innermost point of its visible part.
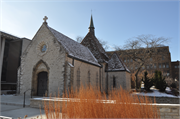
(53, 63)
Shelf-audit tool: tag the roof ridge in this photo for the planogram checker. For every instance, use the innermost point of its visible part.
(73, 48)
(120, 61)
(96, 47)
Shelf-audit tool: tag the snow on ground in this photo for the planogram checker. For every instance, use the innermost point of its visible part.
(156, 93)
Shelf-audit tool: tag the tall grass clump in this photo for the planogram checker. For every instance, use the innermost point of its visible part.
(91, 103)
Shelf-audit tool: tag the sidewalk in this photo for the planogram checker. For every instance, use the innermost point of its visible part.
(15, 100)
(18, 111)
(12, 106)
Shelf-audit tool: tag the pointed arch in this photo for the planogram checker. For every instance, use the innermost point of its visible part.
(40, 67)
(39, 63)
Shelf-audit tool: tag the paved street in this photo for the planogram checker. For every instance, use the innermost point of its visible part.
(12, 106)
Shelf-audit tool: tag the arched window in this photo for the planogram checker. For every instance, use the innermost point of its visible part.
(89, 82)
(114, 82)
(78, 79)
(97, 79)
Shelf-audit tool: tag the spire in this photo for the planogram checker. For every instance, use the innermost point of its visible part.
(91, 26)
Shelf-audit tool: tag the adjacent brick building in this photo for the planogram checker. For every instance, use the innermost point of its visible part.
(175, 69)
(161, 60)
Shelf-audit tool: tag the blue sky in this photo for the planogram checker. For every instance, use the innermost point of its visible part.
(115, 21)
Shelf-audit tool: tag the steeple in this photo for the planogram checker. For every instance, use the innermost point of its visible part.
(91, 26)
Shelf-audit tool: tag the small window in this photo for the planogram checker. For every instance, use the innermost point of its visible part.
(131, 60)
(167, 65)
(162, 57)
(150, 59)
(89, 81)
(155, 66)
(164, 66)
(114, 82)
(43, 48)
(97, 79)
(159, 65)
(78, 79)
(124, 60)
(150, 66)
(175, 66)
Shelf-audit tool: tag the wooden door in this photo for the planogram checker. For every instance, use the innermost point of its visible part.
(42, 83)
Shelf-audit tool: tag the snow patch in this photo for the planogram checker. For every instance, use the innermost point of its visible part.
(156, 93)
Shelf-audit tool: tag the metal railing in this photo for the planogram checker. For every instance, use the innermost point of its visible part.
(25, 95)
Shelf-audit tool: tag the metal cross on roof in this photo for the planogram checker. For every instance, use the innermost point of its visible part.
(45, 18)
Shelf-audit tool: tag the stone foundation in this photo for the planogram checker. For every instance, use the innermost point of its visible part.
(164, 100)
(169, 111)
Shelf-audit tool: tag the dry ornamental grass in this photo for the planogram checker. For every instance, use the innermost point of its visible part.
(91, 103)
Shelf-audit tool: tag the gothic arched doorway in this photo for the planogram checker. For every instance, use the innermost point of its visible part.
(42, 83)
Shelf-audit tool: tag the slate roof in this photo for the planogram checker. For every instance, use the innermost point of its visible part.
(75, 49)
(116, 64)
(95, 47)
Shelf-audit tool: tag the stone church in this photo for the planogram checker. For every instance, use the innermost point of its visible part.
(54, 63)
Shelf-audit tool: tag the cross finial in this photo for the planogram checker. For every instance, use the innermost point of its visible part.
(45, 18)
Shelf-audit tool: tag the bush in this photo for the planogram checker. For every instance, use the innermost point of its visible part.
(173, 85)
(169, 81)
(148, 83)
(91, 103)
(159, 81)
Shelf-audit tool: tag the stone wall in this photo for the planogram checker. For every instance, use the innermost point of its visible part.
(84, 69)
(53, 58)
(169, 111)
(122, 79)
(164, 100)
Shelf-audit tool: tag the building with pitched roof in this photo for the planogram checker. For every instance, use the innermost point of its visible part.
(55, 63)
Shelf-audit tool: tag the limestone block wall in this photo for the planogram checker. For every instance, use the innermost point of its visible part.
(122, 79)
(169, 111)
(53, 57)
(84, 76)
(128, 81)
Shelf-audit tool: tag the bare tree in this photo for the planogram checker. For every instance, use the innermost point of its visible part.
(141, 49)
(103, 43)
(79, 39)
